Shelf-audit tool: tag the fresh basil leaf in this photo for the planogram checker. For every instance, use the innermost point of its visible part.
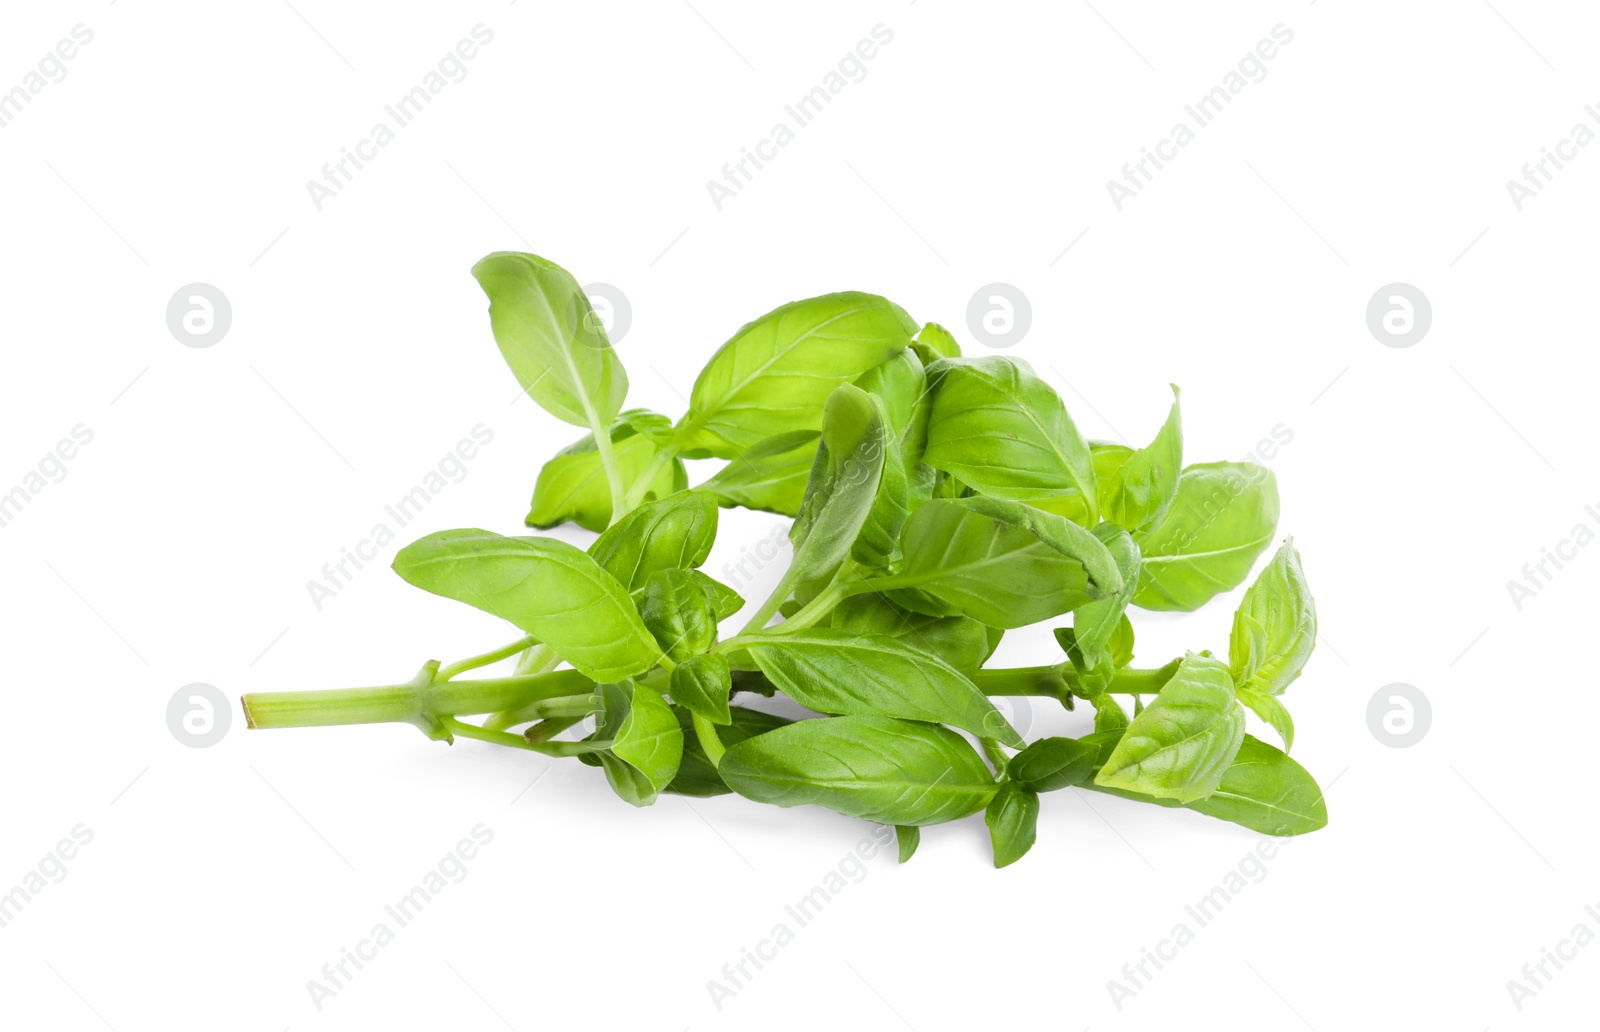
(546, 587)
(1088, 643)
(958, 640)
(1107, 458)
(551, 338)
(938, 340)
(834, 672)
(674, 533)
(678, 614)
(1122, 642)
(770, 475)
(1004, 563)
(1143, 486)
(775, 373)
(1002, 430)
(1109, 714)
(877, 768)
(1221, 520)
(902, 386)
(1053, 763)
(724, 600)
(697, 775)
(1013, 820)
(702, 685)
(572, 485)
(646, 741)
(653, 425)
(1274, 628)
(1271, 709)
(1179, 746)
(855, 501)
(908, 839)
(1263, 790)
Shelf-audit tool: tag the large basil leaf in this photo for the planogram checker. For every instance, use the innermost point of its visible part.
(1003, 563)
(546, 587)
(1263, 790)
(877, 768)
(1089, 642)
(1180, 745)
(1221, 520)
(770, 475)
(833, 672)
(572, 485)
(674, 533)
(775, 373)
(697, 775)
(1013, 820)
(551, 338)
(1144, 483)
(1002, 430)
(1274, 628)
(855, 501)
(646, 741)
(961, 641)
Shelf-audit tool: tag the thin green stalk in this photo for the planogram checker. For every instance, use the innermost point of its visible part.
(462, 729)
(504, 652)
(997, 757)
(710, 741)
(773, 602)
(608, 460)
(636, 491)
(572, 682)
(1056, 679)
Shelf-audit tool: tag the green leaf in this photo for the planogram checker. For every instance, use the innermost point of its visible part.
(908, 839)
(855, 501)
(1274, 628)
(939, 341)
(572, 485)
(674, 533)
(1108, 714)
(876, 768)
(1222, 519)
(1272, 710)
(1013, 820)
(960, 641)
(1095, 624)
(1263, 790)
(724, 600)
(834, 672)
(1002, 430)
(1003, 563)
(646, 741)
(551, 338)
(1054, 763)
(678, 614)
(1182, 743)
(902, 386)
(702, 685)
(1144, 483)
(697, 775)
(770, 475)
(546, 587)
(775, 373)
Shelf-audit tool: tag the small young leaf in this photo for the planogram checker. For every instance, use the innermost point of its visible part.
(856, 498)
(1272, 710)
(724, 600)
(1013, 820)
(674, 533)
(1182, 743)
(877, 768)
(939, 341)
(1095, 624)
(546, 587)
(908, 839)
(647, 743)
(1146, 480)
(770, 475)
(702, 685)
(1274, 628)
(1053, 763)
(1108, 714)
(677, 613)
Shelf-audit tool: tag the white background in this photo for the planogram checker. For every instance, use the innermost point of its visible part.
(178, 547)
